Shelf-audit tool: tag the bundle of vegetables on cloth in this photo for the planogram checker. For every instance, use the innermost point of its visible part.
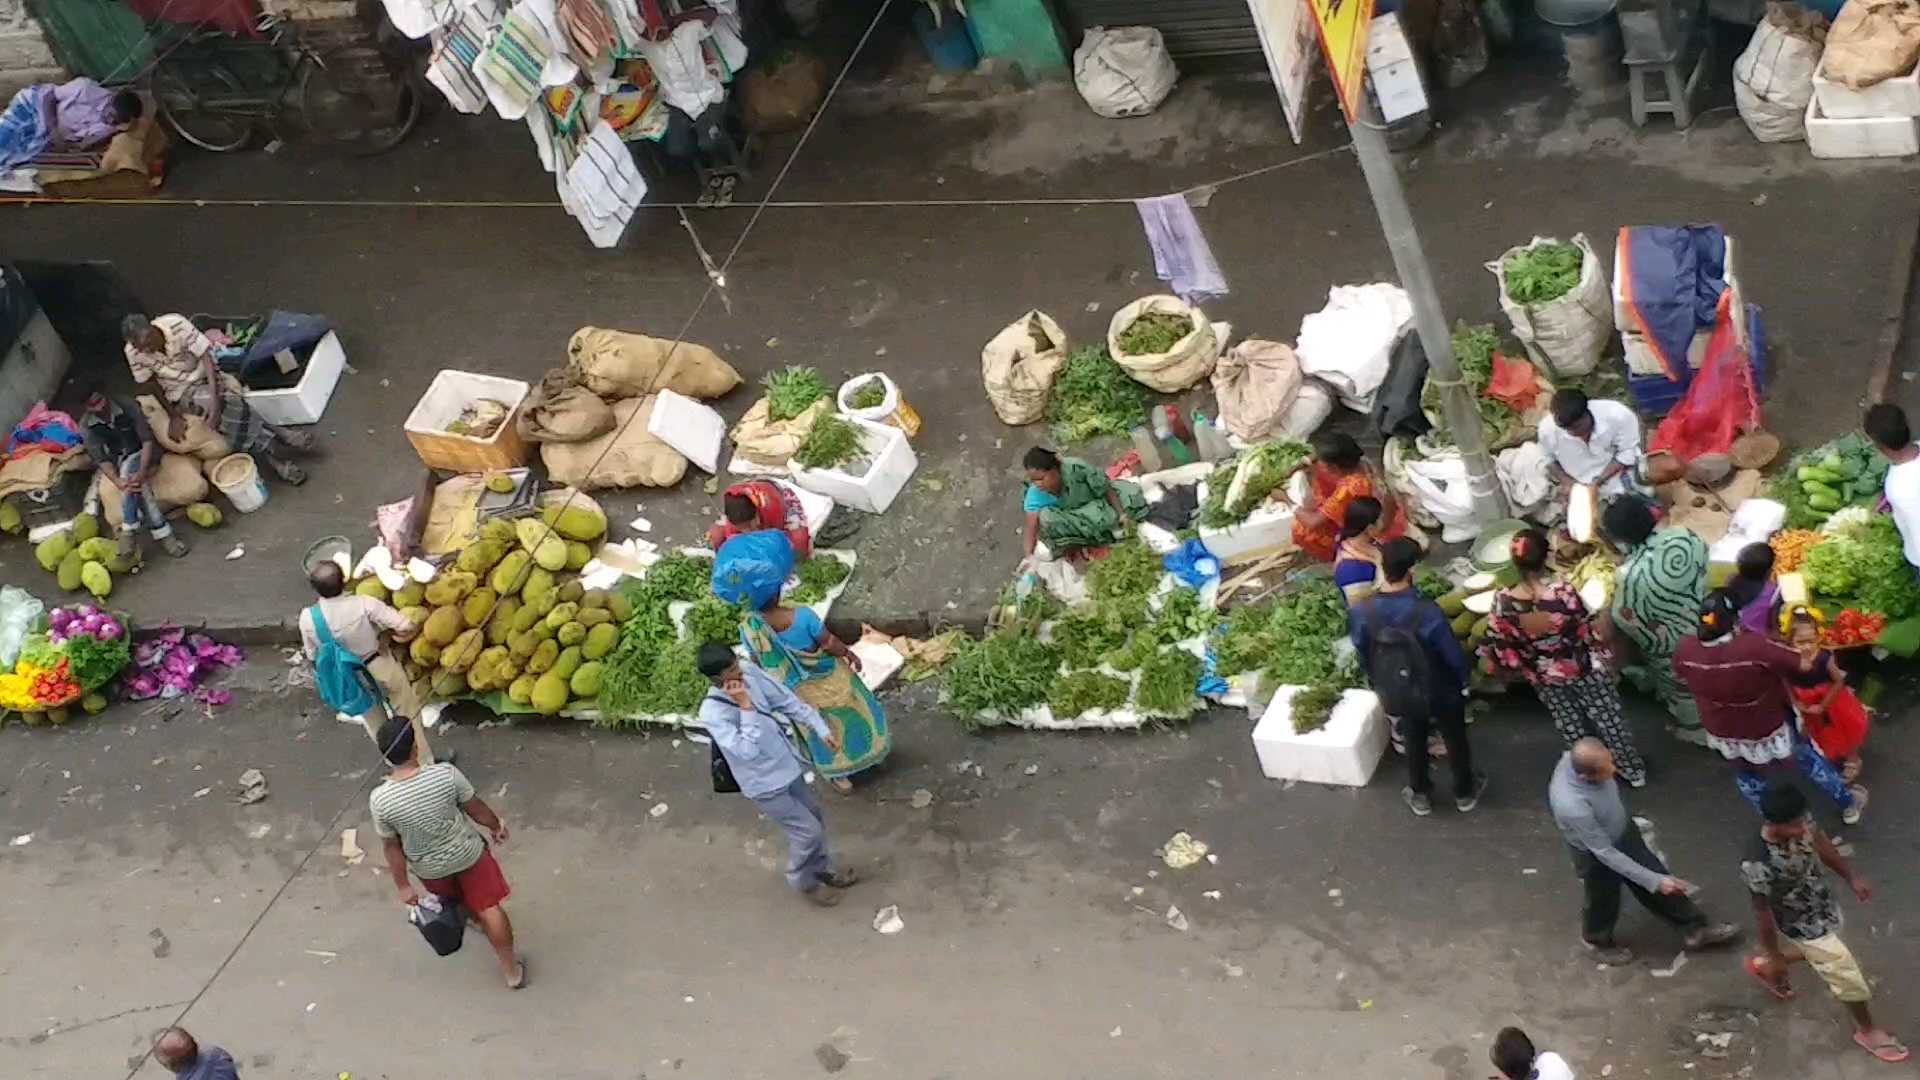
(1845, 472)
(81, 651)
(1860, 564)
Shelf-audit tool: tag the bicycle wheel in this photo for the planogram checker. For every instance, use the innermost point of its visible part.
(363, 120)
(195, 112)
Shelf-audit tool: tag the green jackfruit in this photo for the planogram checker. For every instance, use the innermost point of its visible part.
(538, 587)
(576, 522)
(543, 657)
(586, 680)
(600, 641)
(525, 617)
(594, 598)
(572, 633)
(449, 684)
(85, 527)
(99, 549)
(572, 592)
(98, 582)
(205, 515)
(424, 652)
(492, 670)
(479, 557)
(93, 704)
(11, 522)
(548, 549)
(549, 694)
(510, 576)
(412, 594)
(568, 662)
(621, 607)
(593, 616)
(520, 644)
(542, 631)
(56, 717)
(118, 563)
(443, 626)
(578, 554)
(371, 588)
(465, 649)
(562, 614)
(68, 573)
(545, 605)
(54, 548)
(450, 588)
(1453, 603)
(478, 607)
(500, 484)
(520, 691)
(1462, 624)
(416, 615)
(501, 624)
(499, 531)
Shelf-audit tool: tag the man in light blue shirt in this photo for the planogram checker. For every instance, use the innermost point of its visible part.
(742, 714)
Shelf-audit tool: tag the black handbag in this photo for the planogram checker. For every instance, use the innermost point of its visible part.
(723, 781)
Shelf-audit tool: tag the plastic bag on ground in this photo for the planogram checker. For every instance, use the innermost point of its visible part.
(1349, 343)
(1254, 383)
(19, 610)
(561, 410)
(1720, 403)
(633, 458)
(1187, 362)
(1123, 70)
(617, 364)
(1872, 41)
(1310, 409)
(1773, 77)
(1565, 335)
(1525, 477)
(1018, 366)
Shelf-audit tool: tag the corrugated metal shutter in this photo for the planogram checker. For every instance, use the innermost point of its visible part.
(100, 39)
(1195, 30)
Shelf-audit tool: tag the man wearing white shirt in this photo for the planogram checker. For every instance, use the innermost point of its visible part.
(1592, 442)
(1514, 1056)
(1887, 426)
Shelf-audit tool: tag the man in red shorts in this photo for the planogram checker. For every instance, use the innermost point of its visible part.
(420, 814)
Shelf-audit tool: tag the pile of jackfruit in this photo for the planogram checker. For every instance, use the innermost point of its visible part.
(509, 614)
(78, 556)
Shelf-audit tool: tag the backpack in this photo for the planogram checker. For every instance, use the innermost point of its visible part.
(1398, 666)
(341, 678)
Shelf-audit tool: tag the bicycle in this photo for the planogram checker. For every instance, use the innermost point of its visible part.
(202, 94)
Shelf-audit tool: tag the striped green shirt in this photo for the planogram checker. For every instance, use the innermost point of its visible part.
(424, 812)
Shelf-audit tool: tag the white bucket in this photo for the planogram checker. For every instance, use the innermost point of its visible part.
(239, 480)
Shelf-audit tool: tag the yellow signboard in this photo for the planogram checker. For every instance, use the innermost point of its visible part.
(1343, 39)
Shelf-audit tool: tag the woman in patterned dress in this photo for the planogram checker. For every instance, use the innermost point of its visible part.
(1542, 631)
(1662, 584)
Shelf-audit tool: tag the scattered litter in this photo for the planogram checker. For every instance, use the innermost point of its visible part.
(1334, 893)
(1033, 770)
(712, 486)
(162, 948)
(1114, 1034)
(1093, 306)
(772, 343)
(203, 793)
(1138, 890)
(350, 847)
(1668, 972)
(640, 524)
(830, 1057)
(323, 954)
(1366, 1003)
(1213, 860)
(1176, 918)
(312, 1005)
(253, 787)
(1182, 851)
(922, 798)
(1528, 871)
(962, 767)
(1235, 971)
(1153, 873)
(887, 920)
(259, 832)
(659, 810)
(1760, 199)
(239, 552)
(689, 998)
(676, 744)
(502, 793)
(1606, 1070)
(881, 351)
(430, 714)
(1211, 894)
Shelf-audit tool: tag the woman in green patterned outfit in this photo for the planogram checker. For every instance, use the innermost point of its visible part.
(1661, 588)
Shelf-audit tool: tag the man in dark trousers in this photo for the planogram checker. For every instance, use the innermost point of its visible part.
(1608, 852)
(1414, 663)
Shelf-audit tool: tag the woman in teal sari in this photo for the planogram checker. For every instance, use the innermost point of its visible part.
(1071, 505)
(791, 645)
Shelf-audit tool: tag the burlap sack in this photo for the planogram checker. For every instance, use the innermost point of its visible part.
(763, 442)
(1255, 383)
(616, 364)
(561, 410)
(1187, 362)
(201, 441)
(176, 482)
(1872, 41)
(1019, 365)
(783, 93)
(633, 457)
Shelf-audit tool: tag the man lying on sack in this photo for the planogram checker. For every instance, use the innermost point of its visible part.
(177, 358)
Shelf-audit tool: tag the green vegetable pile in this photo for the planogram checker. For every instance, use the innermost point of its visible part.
(1311, 707)
(1181, 617)
(1866, 568)
(712, 619)
(1543, 272)
(791, 391)
(1290, 639)
(677, 576)
(1123, 579)
(651, 671)
(1084, 639)
(1473, 349)
(870, 395)
(1167, 684)
(1431, 583)
(830, 443)
(1086, 691)
(1001, 673)
(1153, 332)
(1093, 395)
(818, 576)
(1845, 472)
(1270, 464)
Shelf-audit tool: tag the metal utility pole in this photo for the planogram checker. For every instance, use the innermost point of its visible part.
(1436, 338)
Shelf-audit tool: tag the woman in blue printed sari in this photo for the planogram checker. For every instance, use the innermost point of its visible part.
(791, 645)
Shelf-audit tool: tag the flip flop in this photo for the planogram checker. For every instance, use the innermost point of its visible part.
(1779, 990)
(1890, 1051)
(525, 976)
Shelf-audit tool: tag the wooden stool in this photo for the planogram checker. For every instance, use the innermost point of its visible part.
(1679, 84)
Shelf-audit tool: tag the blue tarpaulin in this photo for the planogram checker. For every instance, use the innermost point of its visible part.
(1674, 275)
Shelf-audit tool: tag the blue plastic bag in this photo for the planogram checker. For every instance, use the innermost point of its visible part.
(751, 568)
(1191, 564)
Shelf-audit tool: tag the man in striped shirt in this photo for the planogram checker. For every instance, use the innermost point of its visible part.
(420, 814)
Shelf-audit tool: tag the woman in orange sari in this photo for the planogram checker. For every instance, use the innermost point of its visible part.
(1340, 474)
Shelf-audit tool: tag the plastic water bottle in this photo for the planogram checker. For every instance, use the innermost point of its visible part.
(1143, 446)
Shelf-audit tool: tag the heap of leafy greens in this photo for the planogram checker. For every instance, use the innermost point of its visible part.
(869, 395)
(651, 671)
(791, 391)
(1289, 640)
(1000, 674)
(1086, 691)
(1473, 349)
(818, 575)
(1167, 684)
(1543, 272)
(1093, 395)
(830, 443)
(1269, 465)
(712, 619)
(1153, 332)
(1311, 707)
(1866, 568)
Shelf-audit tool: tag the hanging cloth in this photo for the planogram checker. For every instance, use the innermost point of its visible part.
(1181, 255)
(456, 51)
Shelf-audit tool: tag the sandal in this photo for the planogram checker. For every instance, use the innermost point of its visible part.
(1887, 1049)
(521, 982)
(1779, 990)
(725, 198)
(842, 785)
(288, 471)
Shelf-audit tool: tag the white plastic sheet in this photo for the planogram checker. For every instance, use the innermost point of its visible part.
(1349, 343)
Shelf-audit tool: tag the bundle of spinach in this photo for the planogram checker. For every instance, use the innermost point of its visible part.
(1473, 349)
(1311, 707)
(1181, 617)
(1084, 692)
(677, 576)
(1153, 332)
(1168, 684)
(712, 619)
(1431, 583)
(1085, 638)
(626, 678)
(1093, 395)
(1268, 465)
(818, 575)
(1290, 638)
(1001, 673)
(869, 395)
(676, 685)
(1542, 272)
(830, 443)
(1125, 576)
(792, 391)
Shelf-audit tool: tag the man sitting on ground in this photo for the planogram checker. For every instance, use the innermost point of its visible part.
(1592, 442)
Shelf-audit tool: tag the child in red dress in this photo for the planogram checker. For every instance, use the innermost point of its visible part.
(1832, 717)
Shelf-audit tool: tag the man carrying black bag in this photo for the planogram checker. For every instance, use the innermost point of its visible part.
(1415, 665)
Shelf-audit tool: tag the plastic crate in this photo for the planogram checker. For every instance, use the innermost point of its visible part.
(448, 394)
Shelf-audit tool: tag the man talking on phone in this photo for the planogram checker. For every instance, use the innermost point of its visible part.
(742, 714)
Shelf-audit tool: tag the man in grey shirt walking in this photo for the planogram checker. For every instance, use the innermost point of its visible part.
(1608, 852)
(741, 714)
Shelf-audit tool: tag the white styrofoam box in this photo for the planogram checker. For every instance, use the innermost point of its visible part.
(1394, 72)
(1642, 361)
(1268, 528)
(305, 401)
(893, 462)
(1891, 97)
(1345, 751)
(694, 429)
(1885, 136)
